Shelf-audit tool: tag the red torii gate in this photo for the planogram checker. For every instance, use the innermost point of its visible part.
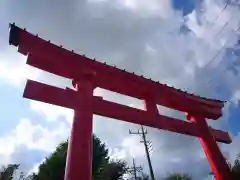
(87, 74)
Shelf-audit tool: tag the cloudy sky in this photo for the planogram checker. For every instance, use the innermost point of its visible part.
(192, 45)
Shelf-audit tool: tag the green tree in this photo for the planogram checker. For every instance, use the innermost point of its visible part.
(235, 168)
(11, 171)
(113, 170)
(178, 176)
(53, 168)
(7, 173)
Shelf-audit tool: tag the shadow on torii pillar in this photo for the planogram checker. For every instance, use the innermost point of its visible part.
(87, 74)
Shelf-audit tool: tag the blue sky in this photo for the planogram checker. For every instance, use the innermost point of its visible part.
(121, 33)
(233, 119)
(186, 6)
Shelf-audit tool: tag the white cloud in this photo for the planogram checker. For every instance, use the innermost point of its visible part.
(152, 7)
(143, 38)
(51, 112)
(232, 150)
(132, 145)
(34, 137)
(140, 7)
(236, 97)
(38, 137)
(35, 167)
(211, 20)
(16, 72)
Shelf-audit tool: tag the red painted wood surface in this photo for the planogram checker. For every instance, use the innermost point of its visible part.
(79, 156)
(217, 161)
(54, 59)
(67, 98)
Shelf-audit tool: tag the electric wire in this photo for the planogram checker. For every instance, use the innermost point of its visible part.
(224, 70)
(223, 9)
(217, 34)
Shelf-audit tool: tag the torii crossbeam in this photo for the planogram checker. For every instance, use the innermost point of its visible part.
(87, 74)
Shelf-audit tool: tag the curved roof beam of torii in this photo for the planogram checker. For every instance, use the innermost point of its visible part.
(54, 59)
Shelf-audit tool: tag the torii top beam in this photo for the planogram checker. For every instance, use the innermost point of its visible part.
(54, 59)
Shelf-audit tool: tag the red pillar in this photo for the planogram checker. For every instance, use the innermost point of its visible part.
(79, 157)
(215, 158)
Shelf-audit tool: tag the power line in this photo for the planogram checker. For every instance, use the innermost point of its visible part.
(221, 30)
(215, 56)
(217, 34)
(210, 83)
(223, 9)
(212, 79)
(219, 51)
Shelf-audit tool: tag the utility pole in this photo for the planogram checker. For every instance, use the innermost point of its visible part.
(134, 169)
(147, 146)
